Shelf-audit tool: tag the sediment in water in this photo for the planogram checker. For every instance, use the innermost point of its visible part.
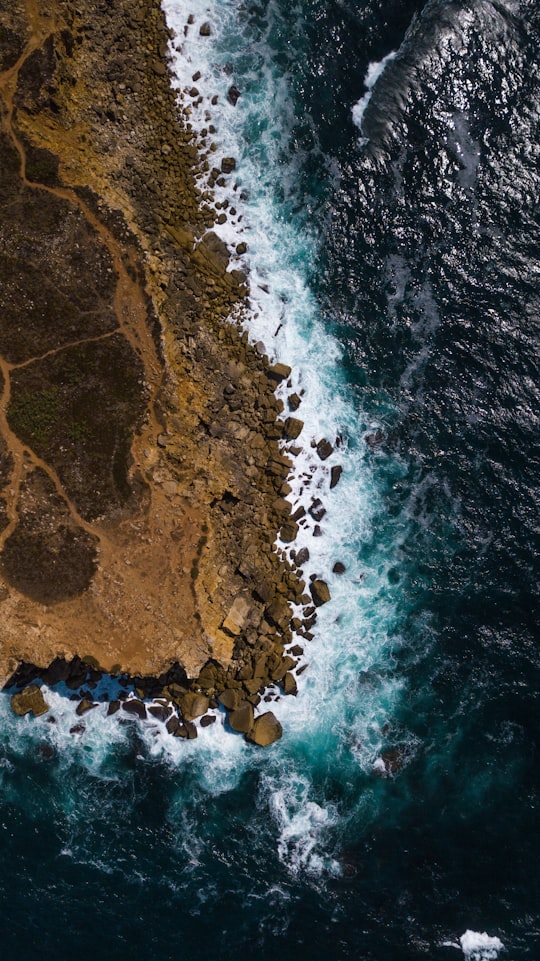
(141, 471)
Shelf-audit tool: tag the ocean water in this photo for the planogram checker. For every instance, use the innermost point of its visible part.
(386, 186)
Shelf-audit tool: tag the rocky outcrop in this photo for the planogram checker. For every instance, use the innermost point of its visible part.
(29, 701)
(142, 467)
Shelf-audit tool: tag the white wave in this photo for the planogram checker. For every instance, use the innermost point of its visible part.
(374, 71)
(478, 946)
(302, 825)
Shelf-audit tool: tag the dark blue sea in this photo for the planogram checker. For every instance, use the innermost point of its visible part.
(387, 186)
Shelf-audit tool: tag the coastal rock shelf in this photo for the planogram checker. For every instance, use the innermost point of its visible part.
(142, 467)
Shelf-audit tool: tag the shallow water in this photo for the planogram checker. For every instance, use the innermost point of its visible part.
(392, 260)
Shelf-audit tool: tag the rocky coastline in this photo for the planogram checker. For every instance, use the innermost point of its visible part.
(144, 455)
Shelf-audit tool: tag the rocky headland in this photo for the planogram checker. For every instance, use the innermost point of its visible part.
(142, 475)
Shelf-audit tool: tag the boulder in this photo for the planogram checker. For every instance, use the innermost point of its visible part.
(319, 592)
(279, 613)
(289, 531)
(317, 511)
(302, 557)
(188, 730)
(288, 684)
(160, 711)
(113, 707)
(173, 724)
(193, 705)
(77, 729)
(228, 164)
(205, 29)
(324, 449)
(84, 706)
(29, 701)
(135, 707)
(339, 568)
(238, 616)
(233, 93)
(266, 729)
(293, 427)
(230, 699)
(207, 720)
(335, 475)
(241, 248)
(241, 720)
(279, 372)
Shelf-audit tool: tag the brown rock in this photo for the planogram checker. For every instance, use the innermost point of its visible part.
(84, 706)
(288, 684)
(29, 701)
(293, 427)
(279, 372)
(193, 705)
(241, 720)
(266, 729)
(319, 592)
(205, 29)
(230, 699)
(238, 616)
(324, 449)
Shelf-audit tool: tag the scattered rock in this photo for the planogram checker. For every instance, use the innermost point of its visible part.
(375, 439)
(228, 164)
(317, 510)
(324, 449)
(29, 701)
(77, 729)
(320, 592)
(266, 729)
(241, 248)
(335, 475)
(339, 568)
(302, 557)
(207, 720)
(233, 94)
(205, 29)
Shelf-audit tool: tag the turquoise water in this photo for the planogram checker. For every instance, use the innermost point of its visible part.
(391, 257)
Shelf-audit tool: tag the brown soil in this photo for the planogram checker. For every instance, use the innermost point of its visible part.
(140, 471)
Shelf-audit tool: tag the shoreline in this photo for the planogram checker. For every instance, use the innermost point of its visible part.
(211, 393)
